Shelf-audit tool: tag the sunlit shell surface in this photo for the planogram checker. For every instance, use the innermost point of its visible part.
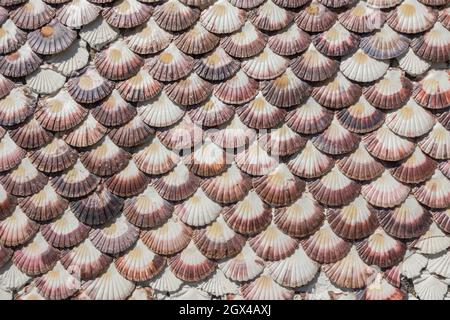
(224, 149)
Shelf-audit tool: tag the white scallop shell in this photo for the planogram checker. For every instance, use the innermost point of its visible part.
(98, 33)
(298, 268)
(199, 210)
(429, 287)
(73, 58)
(412, 64)
(412, 264)
(363, 68)
(166, 281)
(45, 81)
(109, 286)
(218, 284)
(433, 241)
(440, 265)
(11, 278)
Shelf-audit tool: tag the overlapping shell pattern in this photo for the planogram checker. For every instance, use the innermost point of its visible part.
(233, 149)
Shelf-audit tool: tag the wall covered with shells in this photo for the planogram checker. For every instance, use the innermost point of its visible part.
(233, 149)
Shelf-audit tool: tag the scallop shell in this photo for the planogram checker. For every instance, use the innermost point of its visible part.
(301, 218)
(45, 81)
(353, 221)
(315, 18)
(359, 165)
(217, 66)
(191, 90)
(390, 92)
(109, 286)
(32, 15)
(244, 266)
(272, 244)
(98, 208)
(350, 272)
(381, 249)
(412, 17)
(222, 17)
(385, 44)
(381, 289)
(37, 257)
(433, 90)
(314, 66)
(285, 91)
(12, 278)
(70, 60)
(309, 118)
(325, 246)
(86, 260)
(270, 17)
(429, 287)
(363, 68)
(170, 65)
(97, 160)
(310, 162)
(433, 193)
(415, 169)
(88, 133)
(228, 187)
(44, 205)
(178, 184)
(294, 271)
(380, 192)
(149, 38)
(117, 62)
(20, 63)
(11, 38)
(190, 265)
(51, 38)
(433, 241)
(65, 232)
(76, 182)
(412, 64)
(218, 240)
(196, 40)
(435, 144)
(336, 139)
(265, 288)
(198, 210)
(57, 284)
(166, 281)
(127, 13)
(260, 114)
(279, 187)
(290, 41)
(362, 18)
(17, 229)
(140, 264)
(412, 264)
(248, 42)
(386, 145)
(175, 16)
(409, 220)
(77, 14)
(336, 41)
(410, 121)
(98, 33)
(89, 87)
(248, 216)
